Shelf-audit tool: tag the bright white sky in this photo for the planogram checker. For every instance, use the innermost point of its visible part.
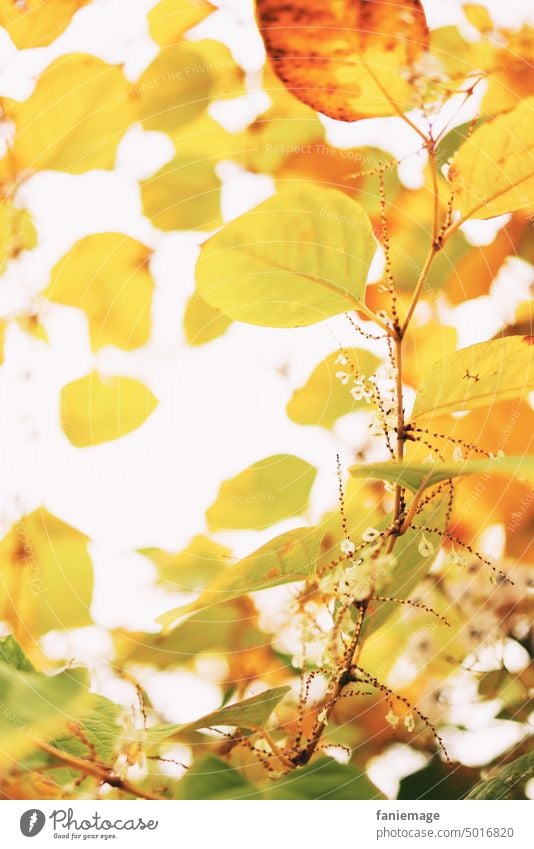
(221, 406)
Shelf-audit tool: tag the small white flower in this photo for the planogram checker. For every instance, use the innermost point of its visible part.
(389, 487)
(343, 377)
(457, 454)
(425, 547)
(497, 455)
(348, 547)
(358, 393)
(392, 718)
(409, 722)
(341, 360)
(370, 535)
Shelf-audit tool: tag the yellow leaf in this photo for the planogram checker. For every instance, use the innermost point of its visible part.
(477, 376)
(182, 80)
(346, 58)
(183, 195)
(97, 409)
(478, 16)
(170, 19)
(202, 323)
(324, 397)
(493, 171)
(36, 23)
(32, 325)
(46, 577)
(296, 259)
(75, 118)
(17, 232)
(266, 492)
(107, 276)
(192, 568)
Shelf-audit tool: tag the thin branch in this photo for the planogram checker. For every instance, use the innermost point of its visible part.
(103, 773)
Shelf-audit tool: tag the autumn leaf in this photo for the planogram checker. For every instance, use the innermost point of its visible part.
(294, 260)
(493, 171)
(107, 275)
(168, 20)
(348, 60)
(266, 492)
(75, 118)
(202, 323)
(97, 409)
(183, 195)
(326, 395)
(46, 576)
(37, 23)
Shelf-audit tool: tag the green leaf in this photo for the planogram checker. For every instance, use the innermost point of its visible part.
(35, 706)
(202, 323)
(435, 781)
(289, 557)
(324, 779)
(99, 728)
(477, 376)
(193, 567)
(296, 259)
(46, 575)
(509, 781)
(12, 654)
(323, 398)
(416, 475)
(249, 714)
(212, 778)
(183, 195)
(97, 409)
(266, 492)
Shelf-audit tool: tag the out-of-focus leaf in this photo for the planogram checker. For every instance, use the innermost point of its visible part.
(202, 323)
(477, 376)
(99, 729)
(107, 276)
(323, 778)
(509, 781)
(35, 706)
(193, 567)
(17, 232)
(182, 80)
(265, 493)
(46, 576)
(75, 118)
(411, 566)
(32, 325)
(183, 195)
(37, 23)
(168, 20)
(97, 409)
(12, 654)
(414, 476)
(229, 627)
(493, 172)
(289, 557)
(212, 778)
(296, 259)
(348, 60)
(323, 398)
